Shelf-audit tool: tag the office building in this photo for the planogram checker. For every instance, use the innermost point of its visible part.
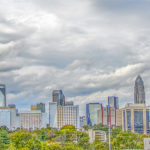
(113, 101)
(83, 121)
(58, 97)
(68, 115)
(69, 103)
(118, 117)
(9, 118)
(31, 120)
(91, 113)
(107, 116)
(53, 114)
(139, 92)
(41, 106)
(33, 107)
(136, 117)
(2, 95)
(96, 135)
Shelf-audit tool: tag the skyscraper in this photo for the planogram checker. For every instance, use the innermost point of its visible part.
(91, 113)
(113, 101)
(53, 114)
(41, 106)
(2, 95)
(139, 92)
(58, 97)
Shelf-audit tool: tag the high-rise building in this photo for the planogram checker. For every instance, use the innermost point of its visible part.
(69, 103)
(113, 102)
(58, 97)
(68, 115)
(9, 118)
(136, 117)
(31, 120)
(33, 107)
(53, 114)
(41, 106)
(91, 113)
(2, 95)
(107, 116)
(83, 121)
(139, 92)
(118, 117)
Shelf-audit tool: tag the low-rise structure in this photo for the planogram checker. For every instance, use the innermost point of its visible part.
(96, 135)
(32, 120)
(136, 117)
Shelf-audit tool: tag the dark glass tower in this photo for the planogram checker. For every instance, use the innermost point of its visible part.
(58, 97)
(139, 92)
(2, 95)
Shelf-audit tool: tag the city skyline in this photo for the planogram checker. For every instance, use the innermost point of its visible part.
(90, 54)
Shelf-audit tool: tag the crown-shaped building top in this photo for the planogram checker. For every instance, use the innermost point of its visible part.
(139, 92)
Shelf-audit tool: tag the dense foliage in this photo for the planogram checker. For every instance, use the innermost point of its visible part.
(67, 138)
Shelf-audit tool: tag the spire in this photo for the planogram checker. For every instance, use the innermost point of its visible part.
(139, 92)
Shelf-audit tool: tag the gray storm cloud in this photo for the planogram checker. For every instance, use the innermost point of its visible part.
(90, 49)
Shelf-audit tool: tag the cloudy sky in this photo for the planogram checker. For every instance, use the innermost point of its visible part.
(90, 49)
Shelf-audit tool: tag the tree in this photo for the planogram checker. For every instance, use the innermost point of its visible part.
(70, 127)
(115, 131)
(83, 140)
(101, 127)
(34, 144)
(20, 138)
(101, 146)
(4, 138)
(127, 139)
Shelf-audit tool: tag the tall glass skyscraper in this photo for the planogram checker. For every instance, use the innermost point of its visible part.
(139, 92)
(91, 113)
(113, 102)
(2, 95)
(58, 97)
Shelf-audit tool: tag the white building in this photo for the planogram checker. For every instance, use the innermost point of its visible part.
(53, 114)
(9, 118)
(68, 115)
(96, 134)
(31, 120)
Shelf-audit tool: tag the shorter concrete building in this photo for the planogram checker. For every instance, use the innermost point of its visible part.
(69, 103)
(9, 118)
(118, 117)
(68, 115)
(136, 117)
(53, 114)
(107, 116)
(32, 120)
(96, 135)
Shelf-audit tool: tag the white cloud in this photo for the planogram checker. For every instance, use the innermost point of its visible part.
(90, 49)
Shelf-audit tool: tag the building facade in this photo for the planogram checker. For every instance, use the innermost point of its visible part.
(107, 116)
(53, 114)
(96, 135)
(118, 117)
(31, 120)
(58, 97)
(113, 101)
(2, 95)
(68, 115)
(9, 118)
(139, 91)
(91, 113)
(136, 117)
(83, 121)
